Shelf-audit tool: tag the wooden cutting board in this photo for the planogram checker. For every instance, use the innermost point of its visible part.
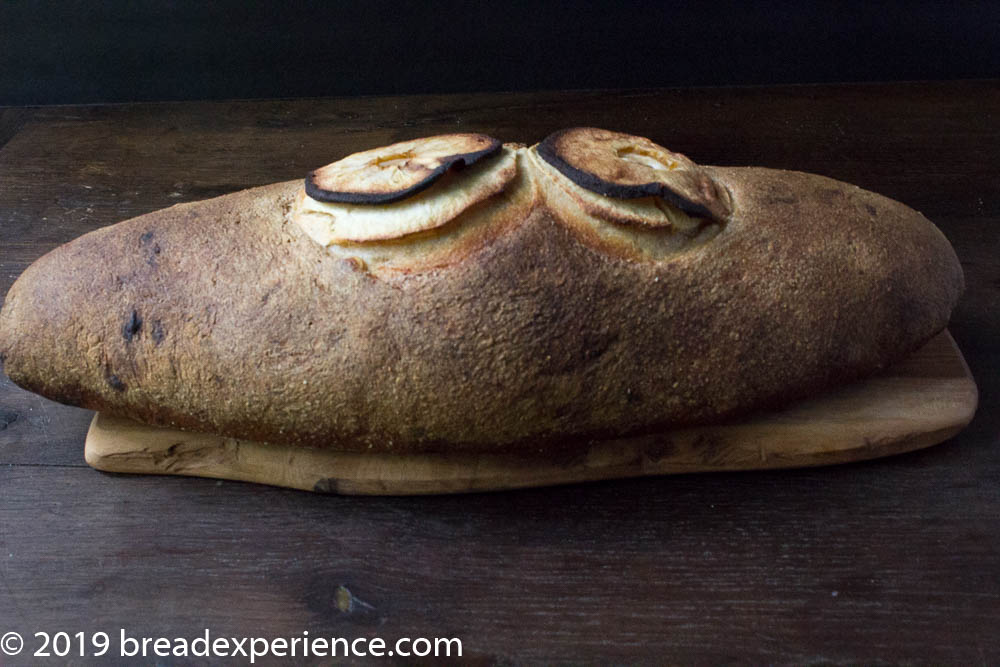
(921, 401)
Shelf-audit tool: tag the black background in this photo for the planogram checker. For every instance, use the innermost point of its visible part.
(75, 52)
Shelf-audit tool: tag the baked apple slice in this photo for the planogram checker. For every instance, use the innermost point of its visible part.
(386, 193)
(625, 166)
(397, 171)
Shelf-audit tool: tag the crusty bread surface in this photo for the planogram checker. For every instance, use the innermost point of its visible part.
(527, 322)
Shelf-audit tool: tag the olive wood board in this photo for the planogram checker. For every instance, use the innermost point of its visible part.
(923, 400)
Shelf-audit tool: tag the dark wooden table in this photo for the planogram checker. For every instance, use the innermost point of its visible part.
(894, 560)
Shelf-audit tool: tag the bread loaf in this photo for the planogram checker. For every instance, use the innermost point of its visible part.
(521, 298)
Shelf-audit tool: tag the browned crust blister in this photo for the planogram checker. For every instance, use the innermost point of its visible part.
(526, 332)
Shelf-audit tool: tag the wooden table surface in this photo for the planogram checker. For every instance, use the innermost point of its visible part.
(893, 560)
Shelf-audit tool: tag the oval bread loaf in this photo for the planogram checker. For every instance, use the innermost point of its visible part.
(593, 286)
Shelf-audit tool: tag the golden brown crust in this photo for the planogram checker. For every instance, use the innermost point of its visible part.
(224, 316)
